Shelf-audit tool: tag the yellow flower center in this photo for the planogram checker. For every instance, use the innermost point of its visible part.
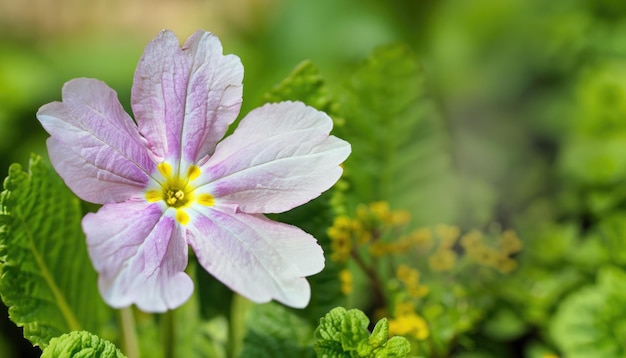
(175, 197)
(178, 192)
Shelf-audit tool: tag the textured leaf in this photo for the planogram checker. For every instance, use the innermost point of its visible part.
(590, 322)
(380, 334)
(396, 347)
(80, 344)
(354, 329)
(344, 333)
(303, 84)
(47, 280)
(613, 229)
(274, 331)
(328, 334)
(399, 150)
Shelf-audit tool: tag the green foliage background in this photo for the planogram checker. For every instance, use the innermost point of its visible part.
(482, 113)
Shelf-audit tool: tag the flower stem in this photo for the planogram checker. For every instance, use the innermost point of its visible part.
(129, 333)
(379, 297)
(169, 330)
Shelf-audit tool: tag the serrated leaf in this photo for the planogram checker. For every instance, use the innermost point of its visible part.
(47, 280)
(399, 148)
(303, 84)
(354, 329)
(328, 334)
(613, 230)
(588, 321)
(275, 331)
(380, 334)
(396, 347)
(80, 344)
(344, 333)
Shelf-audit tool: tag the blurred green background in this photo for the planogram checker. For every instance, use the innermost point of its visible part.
(532, 95)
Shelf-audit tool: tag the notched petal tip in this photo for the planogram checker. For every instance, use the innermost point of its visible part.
(256, 257)
(94, 144)
(279, 157)
(184, 98)
(140, 256)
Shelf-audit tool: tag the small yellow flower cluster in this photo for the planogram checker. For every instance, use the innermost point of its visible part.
(410, 278)
(444, 258)
(408, 323)
(420, 239)
(497, 258)
(380, 211)
(510, 242)
(370, 224)
(345, 278)
(340, 235)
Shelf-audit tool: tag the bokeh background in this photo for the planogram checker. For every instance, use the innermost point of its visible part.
(532, 95)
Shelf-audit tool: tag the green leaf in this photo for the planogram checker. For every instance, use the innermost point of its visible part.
(80, 344)
(380, 334)
(303, 84)
(328, 335)
(354, 329)
(275, 331)
(47, 280)
(396, 347)
(613, 230)
(400, 151)
(590, 322)
(343, 333)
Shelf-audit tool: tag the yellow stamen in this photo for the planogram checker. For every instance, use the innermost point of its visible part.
(193, 172)
(182, 217)
(178, 191)
(174, 196)
(165, 169)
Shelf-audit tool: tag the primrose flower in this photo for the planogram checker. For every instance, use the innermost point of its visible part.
(168, 181)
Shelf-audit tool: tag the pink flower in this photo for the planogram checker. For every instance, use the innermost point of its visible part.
(168, 181)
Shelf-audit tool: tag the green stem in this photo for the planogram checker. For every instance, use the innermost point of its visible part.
(129, 333)
(376, 283)
(237, 325)
(169, 330)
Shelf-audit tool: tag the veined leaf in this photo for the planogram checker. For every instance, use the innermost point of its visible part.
(47, 280)
(343, 333)
(274, 331)
(80, 344)
(399, 150)
(590, 322)
(304, 84)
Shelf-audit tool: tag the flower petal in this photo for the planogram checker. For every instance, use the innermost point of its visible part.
(158, 94)
(185, 98)
(280, 156)
(94, 144)
(256, 257)
(214, 95)
(140, 255)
